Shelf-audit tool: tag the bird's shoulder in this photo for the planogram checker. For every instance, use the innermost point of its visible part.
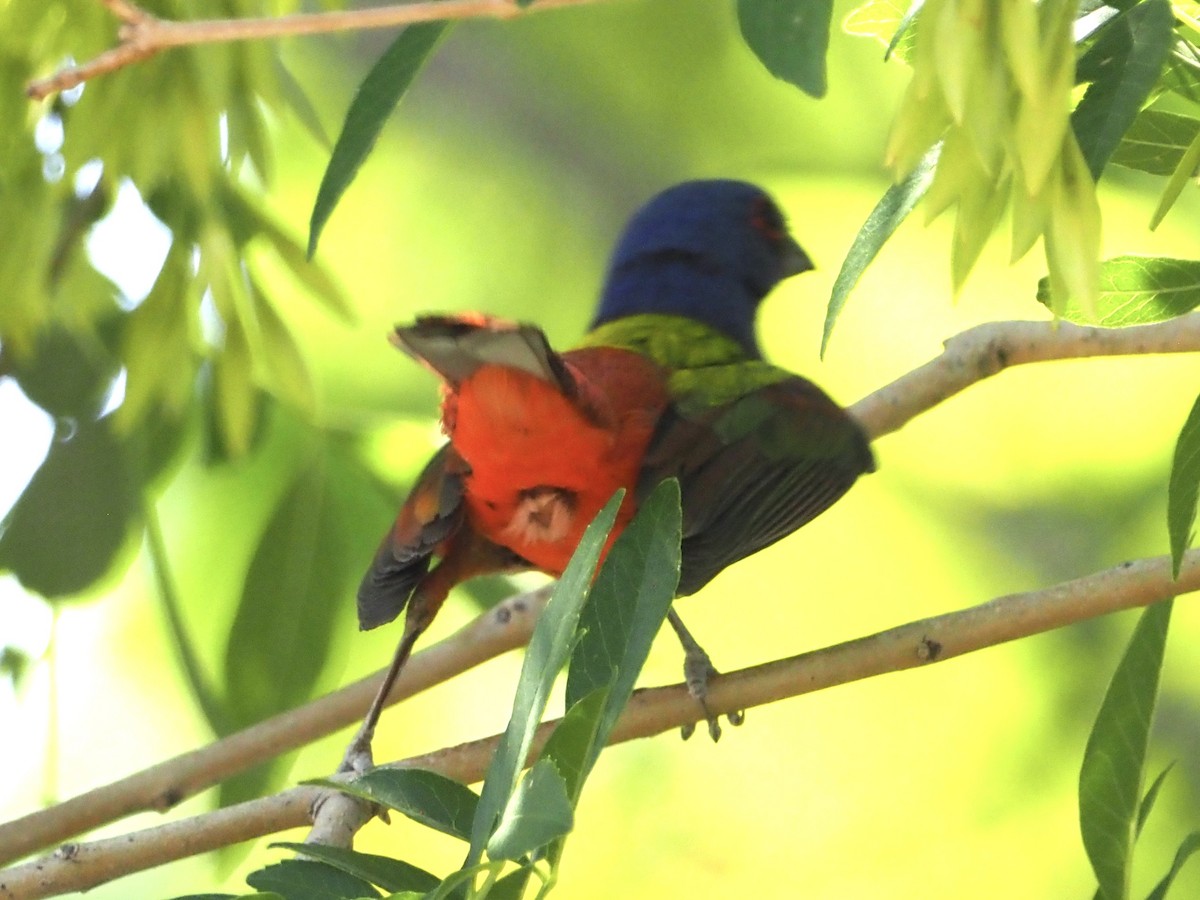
(673, 342)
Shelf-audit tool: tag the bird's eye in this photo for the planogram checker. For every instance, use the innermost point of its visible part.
(766, 219)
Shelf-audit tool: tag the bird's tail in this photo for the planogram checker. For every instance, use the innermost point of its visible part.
(455, 346)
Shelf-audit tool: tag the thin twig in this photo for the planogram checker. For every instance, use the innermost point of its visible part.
(649, 712)
(143, 35)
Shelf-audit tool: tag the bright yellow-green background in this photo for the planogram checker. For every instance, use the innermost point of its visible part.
(500, 186)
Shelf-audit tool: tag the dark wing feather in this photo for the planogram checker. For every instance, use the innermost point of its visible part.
(754, 470)
(432, 513)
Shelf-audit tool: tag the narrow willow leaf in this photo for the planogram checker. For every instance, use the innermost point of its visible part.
(156, 346)
(377, 96)
(305, 879)
(511, 886)
(425, 796)
(1151, 796)
(309, 552)
(1135, 290)
(979, 210)
(1128, 58)
(885, 218)
(629, 601)
(888, 21)
(1184, 488)
(1029, 216)
(1018, 29)
(250, 222)
(789, 38)
(390, 874)
(1156, 142)
(1187, 848)
(286, 369)
(1188, 164)
(1111, 775)
(548, 650)
(538, 811)
(1072, 237)
(569, 746)
(236, 398)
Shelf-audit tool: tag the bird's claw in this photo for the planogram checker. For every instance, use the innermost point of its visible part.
(359, 758)
(697, 671)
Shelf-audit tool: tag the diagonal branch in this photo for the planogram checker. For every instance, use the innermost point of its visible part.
(985, 350)
(969, 357)
(143, 35)
(1137, 583)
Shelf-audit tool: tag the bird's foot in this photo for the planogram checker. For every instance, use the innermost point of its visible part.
(359, 758)
(698, 670)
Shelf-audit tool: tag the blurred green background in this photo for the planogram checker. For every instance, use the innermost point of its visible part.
(501, 185)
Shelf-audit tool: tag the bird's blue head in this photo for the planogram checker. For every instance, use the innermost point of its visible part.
(707, 250)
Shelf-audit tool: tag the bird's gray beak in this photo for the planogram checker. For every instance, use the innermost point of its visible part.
(793, 259)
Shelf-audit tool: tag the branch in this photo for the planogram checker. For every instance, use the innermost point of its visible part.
(504, 627)
(143, 35)
(650, 712)
(969, 357)
(985, 350)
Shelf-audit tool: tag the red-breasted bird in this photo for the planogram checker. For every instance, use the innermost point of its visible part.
(669, 382)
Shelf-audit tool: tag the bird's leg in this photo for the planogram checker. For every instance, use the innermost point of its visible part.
(697, 670)
(421, 610)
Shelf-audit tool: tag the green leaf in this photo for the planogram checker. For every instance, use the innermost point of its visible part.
(1135, 290)
(1123, 66)
(569, 746)
(248, 221)
(14, 665)
(303, 879)
(511, 886)
(237, 403)
(156, 345)
(1189, 162)
(629, 601)
(1111, 776)
(1156, 142)
(1184, 488)
(425, 796)
(287, 370)
(888, 21)
(390, 874)
(790, 38)
(548, 650)
(1187, 848)
(69, 373)
(1151, 796)
(76, 514)
(377, 96)
(309, 554)
(538, 812)
(885, 218)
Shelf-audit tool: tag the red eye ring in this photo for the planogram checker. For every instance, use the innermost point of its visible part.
(766, 218)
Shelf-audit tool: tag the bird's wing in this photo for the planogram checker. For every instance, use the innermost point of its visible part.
(752, 469)
(455, 346)
(432, 513)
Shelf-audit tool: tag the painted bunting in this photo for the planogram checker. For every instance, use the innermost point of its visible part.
(669, 382)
